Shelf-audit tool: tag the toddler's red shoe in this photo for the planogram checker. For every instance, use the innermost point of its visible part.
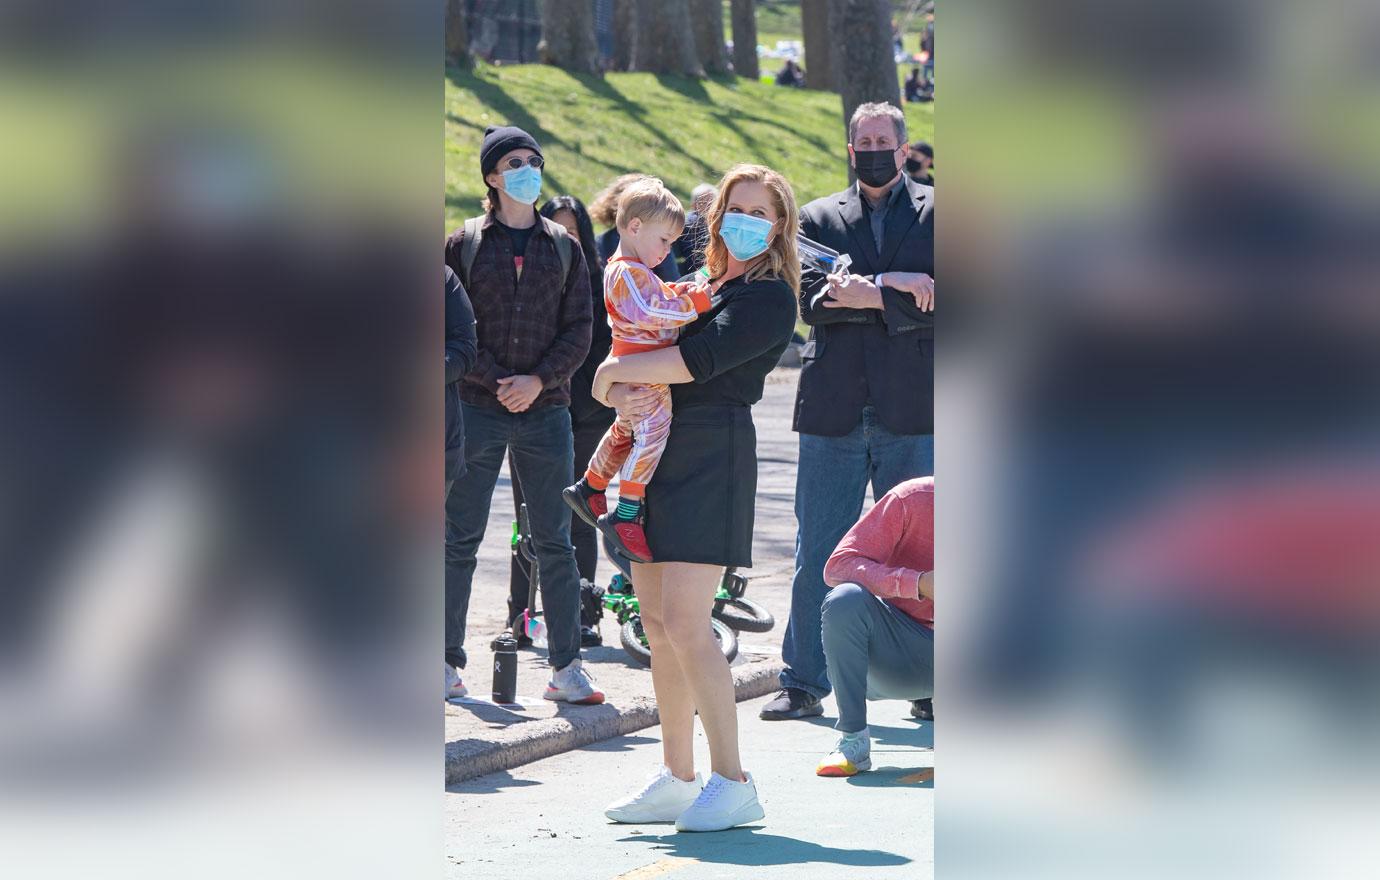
(587, 507)
(627, 536)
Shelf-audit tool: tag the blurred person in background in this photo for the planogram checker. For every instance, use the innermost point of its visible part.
(690, 245)
(920, 163)
(790, 74)
(918, 88)
(878, 620)
(604, 211)
(529, 284)
(865, 405)
(589, 419)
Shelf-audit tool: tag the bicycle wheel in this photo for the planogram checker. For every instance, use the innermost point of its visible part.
(744, 615)
(632, 637)
(728, 639)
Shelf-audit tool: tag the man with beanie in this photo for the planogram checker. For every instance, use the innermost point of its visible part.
(527, 280)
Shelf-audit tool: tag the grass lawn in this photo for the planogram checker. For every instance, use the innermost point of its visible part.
(680, 129)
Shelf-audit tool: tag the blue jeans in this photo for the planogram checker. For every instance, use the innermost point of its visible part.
(875, 652)
(829, 487)
(542, 450)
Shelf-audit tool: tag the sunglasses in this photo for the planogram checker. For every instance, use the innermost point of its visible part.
(515, 163)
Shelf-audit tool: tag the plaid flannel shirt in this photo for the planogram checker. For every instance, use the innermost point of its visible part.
(528, 325)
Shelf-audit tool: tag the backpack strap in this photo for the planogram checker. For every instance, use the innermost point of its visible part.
(469, 247)
(563, 245)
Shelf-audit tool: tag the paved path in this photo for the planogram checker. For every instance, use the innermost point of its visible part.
(545, 819)
(473, 731)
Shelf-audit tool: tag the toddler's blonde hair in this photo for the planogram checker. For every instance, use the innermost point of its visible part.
(648, 200)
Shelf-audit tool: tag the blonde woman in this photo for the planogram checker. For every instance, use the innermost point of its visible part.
(702, 498)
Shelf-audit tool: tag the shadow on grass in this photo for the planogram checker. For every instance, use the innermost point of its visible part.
(512, 112)
(750, 846)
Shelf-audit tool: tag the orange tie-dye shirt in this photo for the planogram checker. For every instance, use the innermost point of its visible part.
(646, 313)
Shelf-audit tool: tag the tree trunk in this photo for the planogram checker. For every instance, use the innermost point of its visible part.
(457, 36)
(819, 45)
(708, 19)
(864, 67)
(665, 42)
(744, 39)
(567, 35)
(624, 33)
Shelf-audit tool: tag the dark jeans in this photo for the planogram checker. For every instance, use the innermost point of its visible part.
(583, 536)
(830, 484)
(540, 441)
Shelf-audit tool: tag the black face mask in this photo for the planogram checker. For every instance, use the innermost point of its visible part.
(875, 167)
(912, 166)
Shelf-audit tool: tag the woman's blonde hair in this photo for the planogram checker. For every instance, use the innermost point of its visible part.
(780, 258)
(604, 209)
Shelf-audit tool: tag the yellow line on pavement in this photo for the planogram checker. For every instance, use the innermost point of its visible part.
(657, 869)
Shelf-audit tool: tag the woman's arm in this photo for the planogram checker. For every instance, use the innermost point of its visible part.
(665, 366)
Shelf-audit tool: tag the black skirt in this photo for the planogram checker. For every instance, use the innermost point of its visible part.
(701, 500)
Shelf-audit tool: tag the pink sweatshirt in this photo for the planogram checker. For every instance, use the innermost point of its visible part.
(889, 548)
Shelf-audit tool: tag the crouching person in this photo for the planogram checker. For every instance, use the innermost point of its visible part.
(878, 620)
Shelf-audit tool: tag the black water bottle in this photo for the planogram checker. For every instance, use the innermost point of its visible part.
(505, 669)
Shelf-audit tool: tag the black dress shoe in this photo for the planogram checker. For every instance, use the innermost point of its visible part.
(791, 703)
(922, 709)
(590, 637)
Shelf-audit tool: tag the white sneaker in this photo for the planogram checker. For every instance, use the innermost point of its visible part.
(454, 686)
(662, 799)
(571, 684)
(721, 805)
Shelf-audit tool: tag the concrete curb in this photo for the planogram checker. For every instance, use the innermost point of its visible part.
(584, 725)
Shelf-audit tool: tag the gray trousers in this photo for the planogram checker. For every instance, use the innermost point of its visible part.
(873, 652)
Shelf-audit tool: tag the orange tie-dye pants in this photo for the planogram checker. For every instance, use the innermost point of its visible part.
(632, 451)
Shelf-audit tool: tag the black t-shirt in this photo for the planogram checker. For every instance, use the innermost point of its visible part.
(731, 348)
(519, 237)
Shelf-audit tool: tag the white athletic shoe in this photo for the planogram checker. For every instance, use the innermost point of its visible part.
(572, 684)
(454, 686)
(721, 805)
(662, 799)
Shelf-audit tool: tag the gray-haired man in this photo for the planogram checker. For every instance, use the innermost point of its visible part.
(864, 407)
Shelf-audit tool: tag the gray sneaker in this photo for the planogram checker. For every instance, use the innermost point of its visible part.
(852, 755)
(571, 684)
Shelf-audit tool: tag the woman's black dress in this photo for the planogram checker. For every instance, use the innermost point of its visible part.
(701, 500)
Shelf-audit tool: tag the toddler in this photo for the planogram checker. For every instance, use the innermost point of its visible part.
(645, 314)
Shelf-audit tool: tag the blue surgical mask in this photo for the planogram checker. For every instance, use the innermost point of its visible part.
(745, 235)
(523, 184)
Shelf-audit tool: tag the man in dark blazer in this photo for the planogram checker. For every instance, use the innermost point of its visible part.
(865, 405)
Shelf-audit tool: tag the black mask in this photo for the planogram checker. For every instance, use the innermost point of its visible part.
(875, 167)
(912, 166)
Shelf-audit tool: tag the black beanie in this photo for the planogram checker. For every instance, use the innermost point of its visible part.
(500, 140)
